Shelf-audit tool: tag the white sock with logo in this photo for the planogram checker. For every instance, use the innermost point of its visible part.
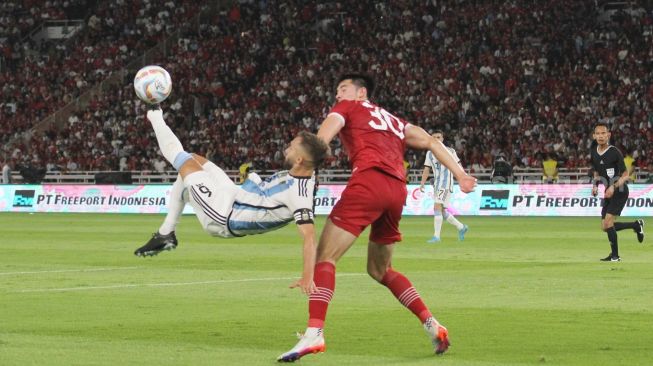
(175, 207)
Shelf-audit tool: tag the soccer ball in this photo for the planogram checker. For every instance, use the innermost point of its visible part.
(152, 84)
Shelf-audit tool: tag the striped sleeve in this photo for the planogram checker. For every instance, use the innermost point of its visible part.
(300, 200)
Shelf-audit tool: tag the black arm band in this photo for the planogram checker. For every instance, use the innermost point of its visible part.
(303, 216)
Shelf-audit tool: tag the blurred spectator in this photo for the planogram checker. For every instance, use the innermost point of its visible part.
(550, 169)
(501, 170)
(160, 165)
(630, 166)
(6, 172)
(243, 172)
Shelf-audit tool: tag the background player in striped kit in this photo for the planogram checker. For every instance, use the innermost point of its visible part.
(256, 207)
(442, 191)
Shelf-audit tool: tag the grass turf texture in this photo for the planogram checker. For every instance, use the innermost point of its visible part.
(517, 291)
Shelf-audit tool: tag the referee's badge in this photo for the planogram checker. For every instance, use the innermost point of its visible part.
(610, 172)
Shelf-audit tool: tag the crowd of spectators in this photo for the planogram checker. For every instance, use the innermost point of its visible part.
(521, 79)
(40, 77)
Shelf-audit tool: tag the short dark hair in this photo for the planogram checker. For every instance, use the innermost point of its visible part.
(601, 124)
(316, 148)
(438, 131)
(360, 80)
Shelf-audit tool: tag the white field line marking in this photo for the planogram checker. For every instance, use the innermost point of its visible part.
(168, 284)
(68, 270)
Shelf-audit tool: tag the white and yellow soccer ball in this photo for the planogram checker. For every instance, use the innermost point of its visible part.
(152, 84)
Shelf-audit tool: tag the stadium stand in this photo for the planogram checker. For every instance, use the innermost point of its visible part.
(520, 79)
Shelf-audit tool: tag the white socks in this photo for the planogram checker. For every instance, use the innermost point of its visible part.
(168, 143)
(176, 205)
(437, 224)
(454, 221)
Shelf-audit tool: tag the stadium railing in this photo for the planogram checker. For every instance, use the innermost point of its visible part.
(331, 176)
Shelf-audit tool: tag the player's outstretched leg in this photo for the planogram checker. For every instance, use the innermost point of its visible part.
(176, 203)
(157, 244)
(404, 291)
(637, 226)
(462, 228)
(312, 341)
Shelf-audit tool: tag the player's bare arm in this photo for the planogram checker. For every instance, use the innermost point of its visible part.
(417, 138)
(330, 128)
(595, 184)
(425, 175)
(305, 283)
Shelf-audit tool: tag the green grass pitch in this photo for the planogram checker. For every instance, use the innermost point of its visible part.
(517, 291)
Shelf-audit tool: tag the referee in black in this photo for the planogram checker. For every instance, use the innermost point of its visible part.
(609, 169)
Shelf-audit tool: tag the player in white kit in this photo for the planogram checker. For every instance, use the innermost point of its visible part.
(442, 191)
(227, 210)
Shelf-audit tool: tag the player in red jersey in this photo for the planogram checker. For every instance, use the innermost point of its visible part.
(375, 141)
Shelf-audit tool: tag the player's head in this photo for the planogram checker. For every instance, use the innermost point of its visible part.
(354, 87)
(438, 135)
(601, 133)
(306, 150)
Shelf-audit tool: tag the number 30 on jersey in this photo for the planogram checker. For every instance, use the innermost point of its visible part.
(386, 121)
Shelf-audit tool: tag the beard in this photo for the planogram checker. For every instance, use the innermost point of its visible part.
(287, 164)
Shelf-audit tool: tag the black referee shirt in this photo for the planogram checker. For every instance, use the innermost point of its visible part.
(610, 165)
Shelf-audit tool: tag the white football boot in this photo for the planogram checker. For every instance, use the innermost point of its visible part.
(312, 341)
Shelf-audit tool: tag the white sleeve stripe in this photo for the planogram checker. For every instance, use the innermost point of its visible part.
(337, 115)
(298, 215)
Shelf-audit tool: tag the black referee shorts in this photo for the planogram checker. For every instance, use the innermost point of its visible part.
(615, 204)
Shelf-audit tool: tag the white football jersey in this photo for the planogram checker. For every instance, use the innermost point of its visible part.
(442, 177)
(262, 206)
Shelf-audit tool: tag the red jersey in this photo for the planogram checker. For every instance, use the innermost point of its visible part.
(372, 137)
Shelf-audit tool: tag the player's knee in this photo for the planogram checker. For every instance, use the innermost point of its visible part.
(375, 272)
(200, 159)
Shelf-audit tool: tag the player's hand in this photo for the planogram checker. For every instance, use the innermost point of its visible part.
(307, 287)
(595, 191)
(467, 183)
(421, 188)
(609, 192)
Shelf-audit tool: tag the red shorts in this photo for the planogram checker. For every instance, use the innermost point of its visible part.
(371, 197)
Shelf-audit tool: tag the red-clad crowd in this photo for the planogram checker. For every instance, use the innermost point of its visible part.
(517, 78)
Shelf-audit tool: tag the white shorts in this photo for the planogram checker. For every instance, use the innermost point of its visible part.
(211, 194)
(442, 196)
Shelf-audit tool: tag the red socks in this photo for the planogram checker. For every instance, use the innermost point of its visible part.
(325, 281)
(406, 293)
